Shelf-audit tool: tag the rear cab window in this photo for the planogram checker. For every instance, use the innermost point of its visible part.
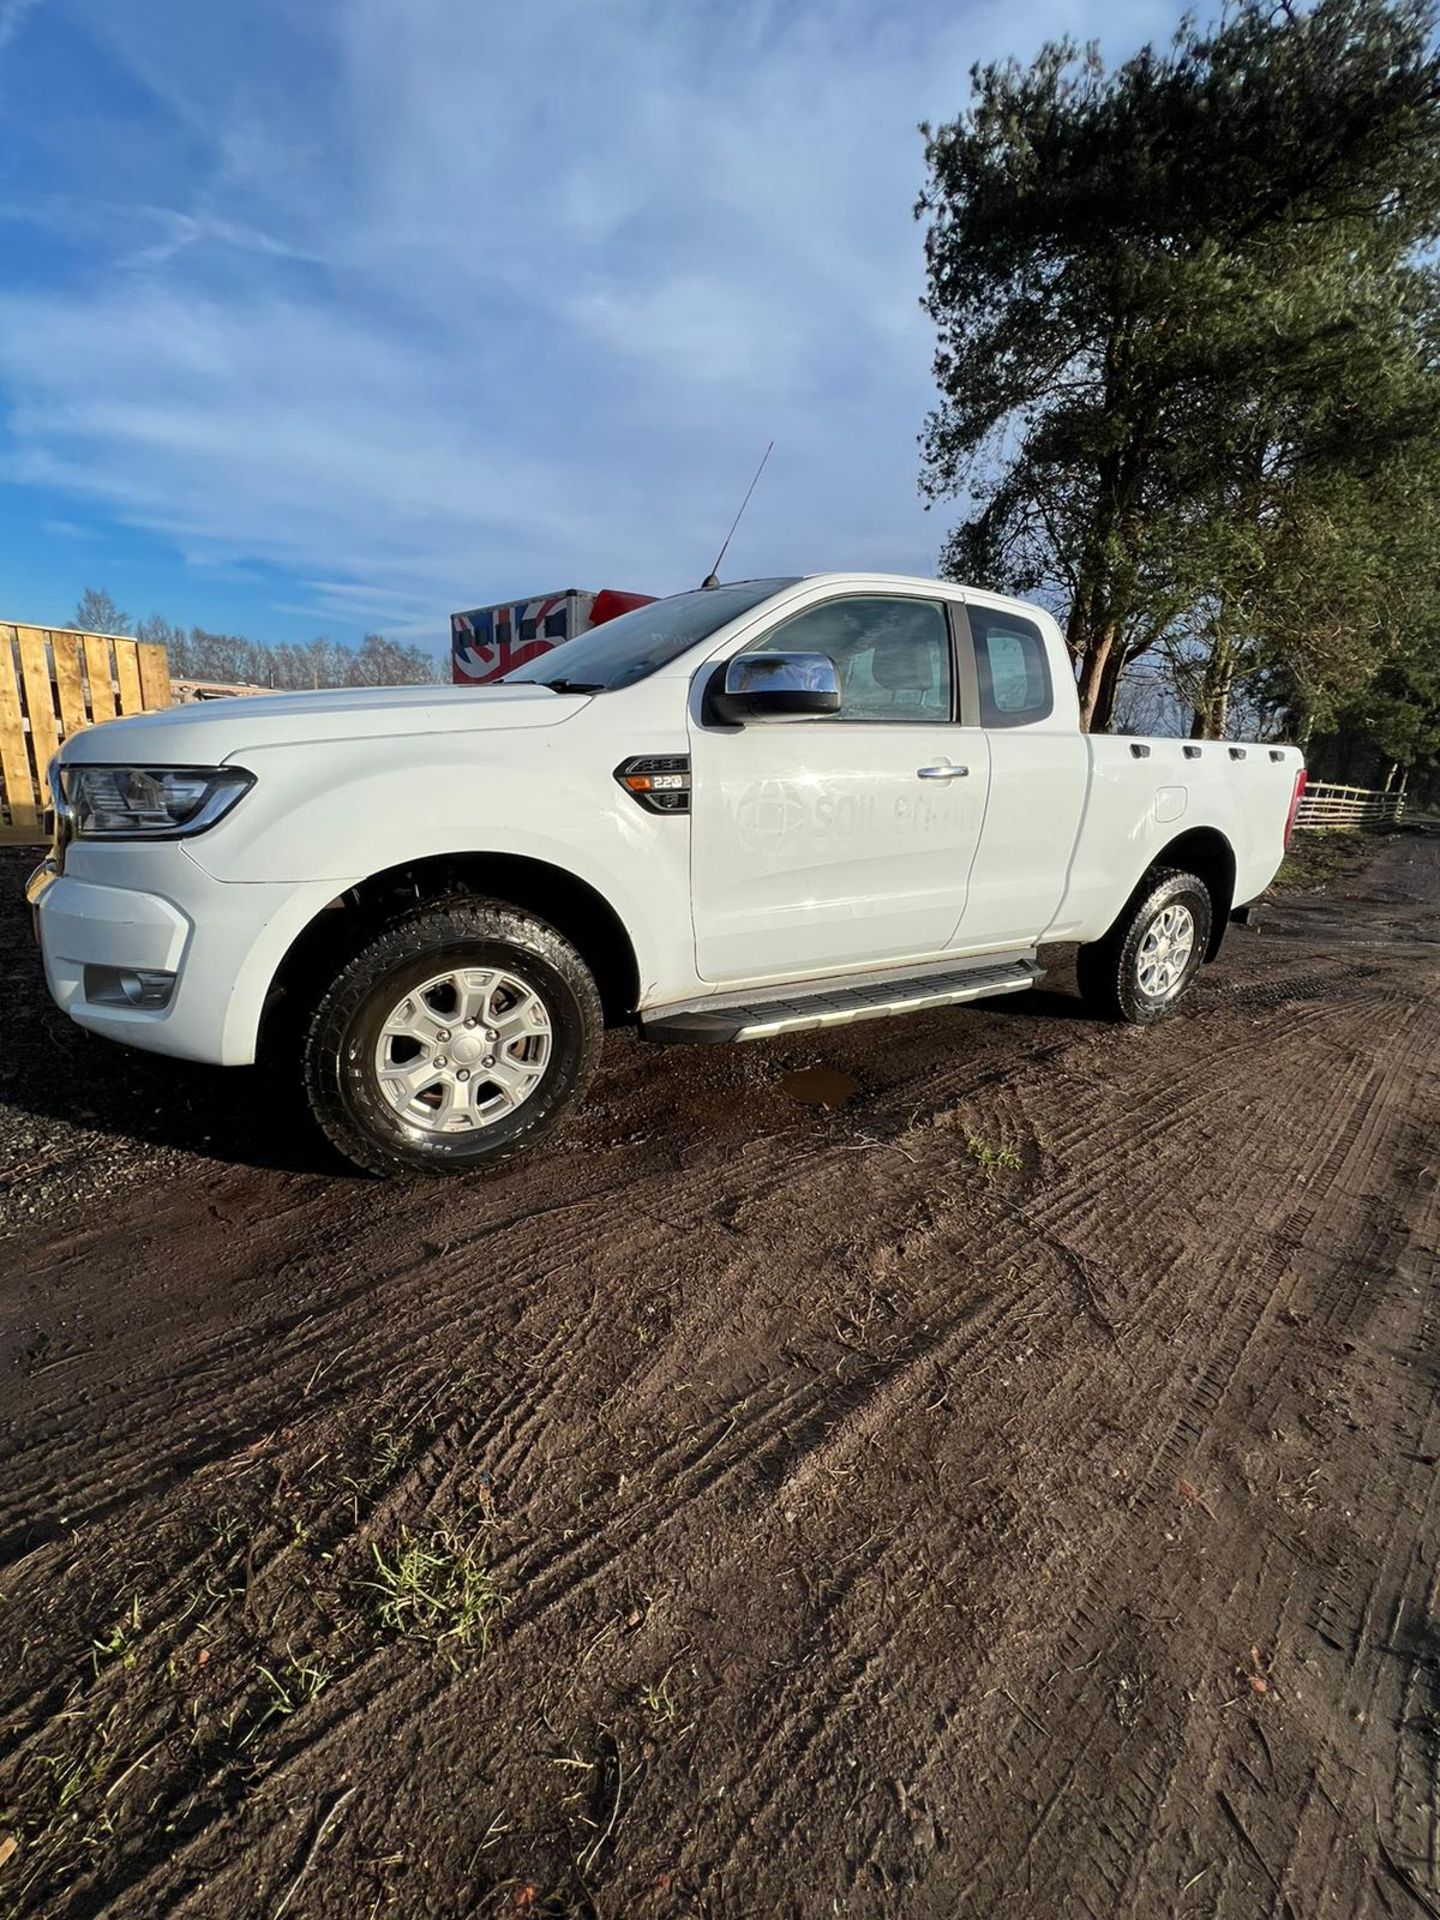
(1012, 668)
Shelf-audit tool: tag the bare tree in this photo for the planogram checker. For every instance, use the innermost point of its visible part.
(98, 613)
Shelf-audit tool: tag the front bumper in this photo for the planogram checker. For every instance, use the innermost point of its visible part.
(223, 943)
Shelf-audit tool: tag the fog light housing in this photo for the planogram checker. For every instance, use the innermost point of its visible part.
(146, 988)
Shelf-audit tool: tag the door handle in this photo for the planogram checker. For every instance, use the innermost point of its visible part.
(942, 773)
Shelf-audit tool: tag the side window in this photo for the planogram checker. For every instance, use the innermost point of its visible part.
(892, 655)
(1012, 667)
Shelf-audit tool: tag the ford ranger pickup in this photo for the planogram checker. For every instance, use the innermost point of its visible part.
(754, 809)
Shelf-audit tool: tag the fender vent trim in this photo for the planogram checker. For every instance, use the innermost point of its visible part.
(659, 782)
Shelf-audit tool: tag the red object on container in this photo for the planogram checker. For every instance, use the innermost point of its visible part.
(1296, 797)
(610, 602)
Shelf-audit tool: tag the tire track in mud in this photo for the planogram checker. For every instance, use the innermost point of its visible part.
(305, 1335)
(784, 1716)
(1378, 1626)
(853, 1670)
(1094, 1738)
(735, 1443)
(693, 1473)
(698, 1471)
(1212, 1386)
(747, 1818)
(1355, 1620)
(868, 1306)
(508, 1423)
(410, 1300)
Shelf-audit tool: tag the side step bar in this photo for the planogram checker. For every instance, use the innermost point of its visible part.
(837, 1003)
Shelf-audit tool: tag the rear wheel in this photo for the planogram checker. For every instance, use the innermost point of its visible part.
(458, 1036)
(1145, 965)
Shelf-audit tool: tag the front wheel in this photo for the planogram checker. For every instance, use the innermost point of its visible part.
(459, 1035)
(1144, 966)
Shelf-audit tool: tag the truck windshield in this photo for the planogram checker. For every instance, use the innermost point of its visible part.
(636, 644)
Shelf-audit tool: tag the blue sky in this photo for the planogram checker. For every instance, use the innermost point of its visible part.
(335, 316)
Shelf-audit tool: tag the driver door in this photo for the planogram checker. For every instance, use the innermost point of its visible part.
(843, 842)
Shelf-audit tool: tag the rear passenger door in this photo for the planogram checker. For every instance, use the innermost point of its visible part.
(1038, 765)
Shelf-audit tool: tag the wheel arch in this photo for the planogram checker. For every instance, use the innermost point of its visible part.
(571, 905)
(1205, 852)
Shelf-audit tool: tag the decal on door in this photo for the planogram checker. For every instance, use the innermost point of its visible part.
(772, 810)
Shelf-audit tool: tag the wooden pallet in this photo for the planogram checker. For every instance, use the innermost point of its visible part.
(53, 682)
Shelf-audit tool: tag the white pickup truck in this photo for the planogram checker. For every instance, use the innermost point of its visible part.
(748, 810)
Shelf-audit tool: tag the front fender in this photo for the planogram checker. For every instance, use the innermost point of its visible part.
(330, 818)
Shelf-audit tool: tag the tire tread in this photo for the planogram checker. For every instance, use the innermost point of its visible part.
(1103, 968)
(438, 922)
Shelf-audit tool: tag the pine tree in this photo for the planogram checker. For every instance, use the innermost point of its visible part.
(1179, 320)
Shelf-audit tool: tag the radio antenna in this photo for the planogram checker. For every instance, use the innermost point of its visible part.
(712, 579)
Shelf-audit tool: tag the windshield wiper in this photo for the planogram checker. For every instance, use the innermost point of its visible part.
(571, 686)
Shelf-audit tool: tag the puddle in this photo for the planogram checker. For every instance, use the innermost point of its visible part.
(819, 1087)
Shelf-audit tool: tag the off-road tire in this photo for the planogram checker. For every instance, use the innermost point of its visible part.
(1107, 970)
(338, 1068)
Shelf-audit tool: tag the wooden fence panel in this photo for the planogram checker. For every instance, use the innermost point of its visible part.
(23, 814)
(154, 675)
(39, 699)
(127, 678)
(53, 682)
(1328, 807)
(98, 676)
(69, 682)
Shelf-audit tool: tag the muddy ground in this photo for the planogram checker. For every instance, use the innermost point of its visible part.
(1011, 1492)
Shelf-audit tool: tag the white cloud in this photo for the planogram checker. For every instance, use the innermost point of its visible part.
(463, 300)
(698, 329)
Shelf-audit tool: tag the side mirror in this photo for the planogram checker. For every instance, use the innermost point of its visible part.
(776, 686)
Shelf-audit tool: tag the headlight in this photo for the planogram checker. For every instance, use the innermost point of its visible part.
(148, 803)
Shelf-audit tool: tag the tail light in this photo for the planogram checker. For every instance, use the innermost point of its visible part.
(1296, 797)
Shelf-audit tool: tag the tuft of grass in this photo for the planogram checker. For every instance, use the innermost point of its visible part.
(658, 1702)
(119, 1643)
(300, 1679)
(71, 1774)
(437, 1588)
(1005, 1155)
(288, 1687)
